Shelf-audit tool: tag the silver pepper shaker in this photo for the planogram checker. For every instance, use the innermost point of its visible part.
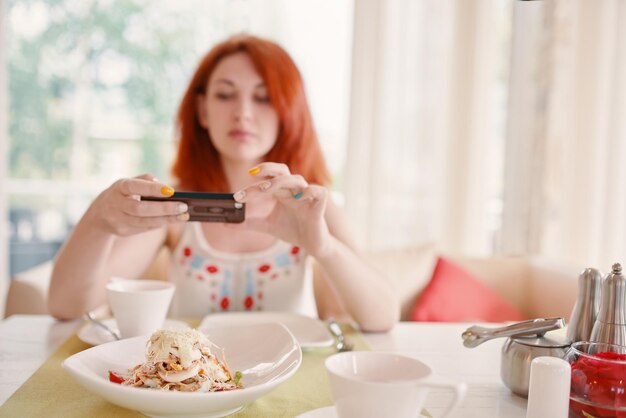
(587, 306)
(610, 325)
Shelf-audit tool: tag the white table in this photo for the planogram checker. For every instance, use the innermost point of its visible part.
(26, 341)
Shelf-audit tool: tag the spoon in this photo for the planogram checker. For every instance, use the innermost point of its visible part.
(89, 316)
(341, 344)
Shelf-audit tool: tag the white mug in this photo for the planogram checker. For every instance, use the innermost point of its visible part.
(368, 384)
(139, 306)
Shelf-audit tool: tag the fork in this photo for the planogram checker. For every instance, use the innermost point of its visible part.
(90, 317)
(341, 344)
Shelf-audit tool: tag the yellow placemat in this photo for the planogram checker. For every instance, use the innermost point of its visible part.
(51, 392)
(307, 389)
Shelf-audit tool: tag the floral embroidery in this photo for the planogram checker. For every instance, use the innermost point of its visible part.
(225, 301)
(295, 252)
(196, 262)
(247, 284)
(248, 301)
(282, 260)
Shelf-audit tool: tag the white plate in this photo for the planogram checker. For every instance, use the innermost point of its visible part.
(92, 334)
(266, 355)
(325, 412)
(310, 332)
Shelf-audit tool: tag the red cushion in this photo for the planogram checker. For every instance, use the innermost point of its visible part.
(454, 295)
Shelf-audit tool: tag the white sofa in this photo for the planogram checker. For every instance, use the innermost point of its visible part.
(535, 286)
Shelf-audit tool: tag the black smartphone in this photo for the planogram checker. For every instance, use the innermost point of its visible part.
(208, 207)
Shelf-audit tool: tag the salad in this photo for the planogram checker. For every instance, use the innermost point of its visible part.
(180, 360)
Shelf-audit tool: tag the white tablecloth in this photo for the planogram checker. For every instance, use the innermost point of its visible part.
(26, 341)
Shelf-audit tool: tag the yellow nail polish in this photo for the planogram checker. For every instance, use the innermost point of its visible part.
(254, 171)
(167, 191)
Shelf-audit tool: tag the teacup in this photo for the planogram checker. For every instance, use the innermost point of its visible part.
(139, 306)
(372, 385)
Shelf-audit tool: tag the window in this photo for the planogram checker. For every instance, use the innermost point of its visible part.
(94, 86)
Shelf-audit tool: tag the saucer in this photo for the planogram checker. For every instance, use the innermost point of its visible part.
(310, 332)
(325, 412)
(92, 334)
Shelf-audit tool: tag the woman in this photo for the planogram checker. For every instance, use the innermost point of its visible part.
(244, 127)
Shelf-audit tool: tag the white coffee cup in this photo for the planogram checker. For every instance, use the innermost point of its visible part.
(139, 306)
(368, 384)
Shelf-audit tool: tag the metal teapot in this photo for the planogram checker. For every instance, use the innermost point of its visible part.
(527, 340)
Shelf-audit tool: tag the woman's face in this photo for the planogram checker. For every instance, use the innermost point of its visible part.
(237, 112)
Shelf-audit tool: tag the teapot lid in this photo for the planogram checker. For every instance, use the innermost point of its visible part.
(553, 339)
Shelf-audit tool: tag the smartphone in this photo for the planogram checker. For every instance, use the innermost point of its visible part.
(208, 207)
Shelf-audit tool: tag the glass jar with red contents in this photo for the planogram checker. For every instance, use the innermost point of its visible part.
(598, 387)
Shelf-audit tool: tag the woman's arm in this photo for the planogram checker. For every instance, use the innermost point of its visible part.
(119, 235)
(87, 261)
(304, 216)
(347, 282)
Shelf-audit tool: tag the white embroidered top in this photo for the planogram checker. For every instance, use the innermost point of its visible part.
(208, 280)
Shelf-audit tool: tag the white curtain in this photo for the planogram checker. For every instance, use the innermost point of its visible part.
(448, 145)
(422, 137)
(566, 175)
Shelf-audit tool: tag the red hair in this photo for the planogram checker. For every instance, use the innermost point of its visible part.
(197, 165)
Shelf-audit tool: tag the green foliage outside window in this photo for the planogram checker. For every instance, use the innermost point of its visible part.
(121, 55)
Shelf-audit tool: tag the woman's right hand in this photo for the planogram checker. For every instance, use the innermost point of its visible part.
(118, 210)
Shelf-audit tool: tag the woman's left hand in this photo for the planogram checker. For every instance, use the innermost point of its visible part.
(297, 215)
